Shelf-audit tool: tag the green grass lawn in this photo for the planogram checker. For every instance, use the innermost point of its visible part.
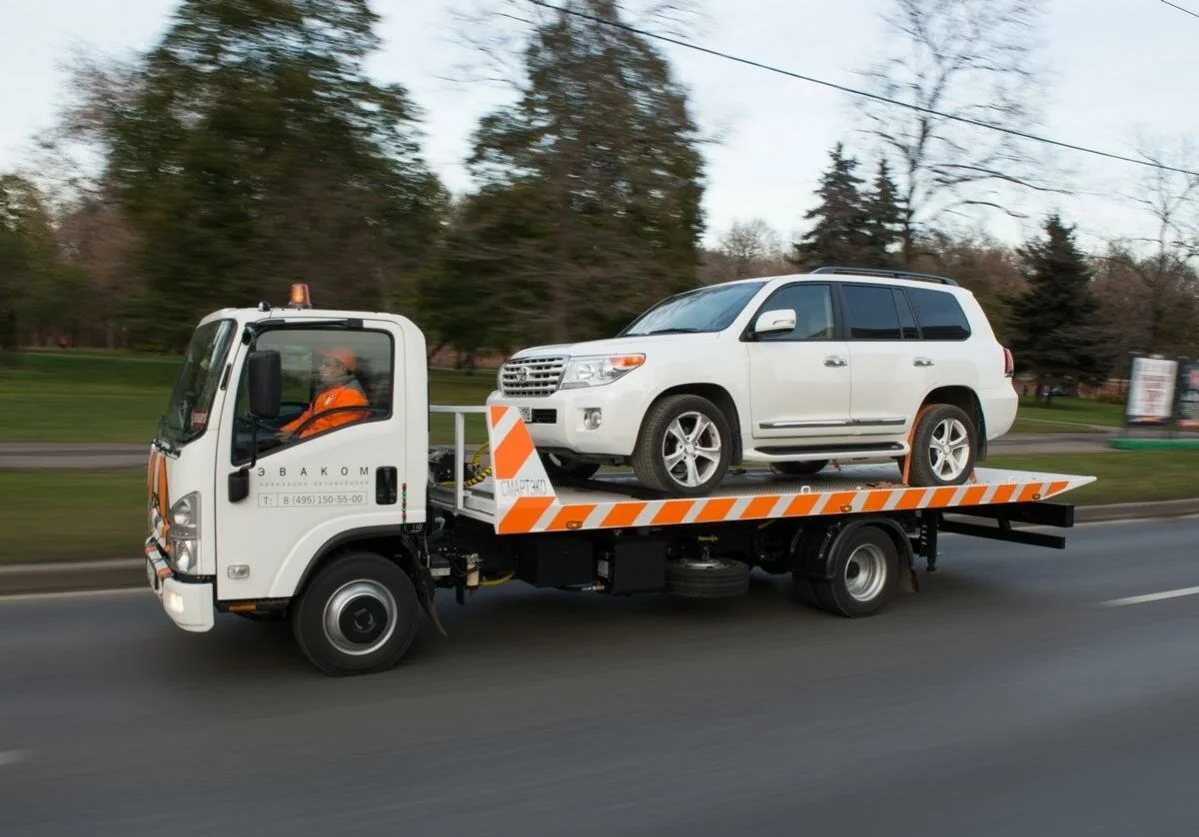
(1067, 415)
(97, 397)
(79, 515)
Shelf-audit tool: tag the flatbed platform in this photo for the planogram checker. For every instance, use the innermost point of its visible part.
(518, 497)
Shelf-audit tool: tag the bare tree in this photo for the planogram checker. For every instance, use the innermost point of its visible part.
(753, 248)
(957, 59)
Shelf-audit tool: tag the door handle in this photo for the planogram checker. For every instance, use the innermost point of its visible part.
(834, 361)
(922, 361)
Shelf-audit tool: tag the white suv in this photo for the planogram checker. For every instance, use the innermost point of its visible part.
(838, 364)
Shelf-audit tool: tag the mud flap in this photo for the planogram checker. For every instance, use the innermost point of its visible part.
(425, 592)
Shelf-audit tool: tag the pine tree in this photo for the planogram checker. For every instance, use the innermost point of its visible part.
(1056, 331)
(839, 236)
(884, 219)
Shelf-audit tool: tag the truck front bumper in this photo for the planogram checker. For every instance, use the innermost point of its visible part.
(188, 603)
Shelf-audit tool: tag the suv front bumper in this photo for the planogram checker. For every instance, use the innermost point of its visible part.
(557, 422)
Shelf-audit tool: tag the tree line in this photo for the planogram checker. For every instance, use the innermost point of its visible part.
(248, 149)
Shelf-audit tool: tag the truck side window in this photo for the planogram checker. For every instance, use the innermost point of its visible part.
(332, 380)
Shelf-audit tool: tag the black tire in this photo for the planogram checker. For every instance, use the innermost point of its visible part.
(648, 456)
(711, 578)
(865, 573)
(385, 605)
(934, 420)
(799, 469)
(561, 467)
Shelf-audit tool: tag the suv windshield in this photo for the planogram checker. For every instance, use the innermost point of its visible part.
(187, 414)
(707, 309)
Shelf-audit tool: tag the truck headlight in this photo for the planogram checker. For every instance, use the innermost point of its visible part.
(595, 371)
(185, 533)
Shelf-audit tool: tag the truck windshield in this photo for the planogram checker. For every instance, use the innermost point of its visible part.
(187, 414)
(707, 309)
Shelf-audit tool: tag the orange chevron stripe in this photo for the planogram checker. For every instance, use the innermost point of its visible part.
(568, 515)
(673, 511)
(512, 452)
(801, 505)
(1003, 493)
(716, 510)
(759, 507)
(524, 514)
(624, 514)
(974, 495)
(1030, 491)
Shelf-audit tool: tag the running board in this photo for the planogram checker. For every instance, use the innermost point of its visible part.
(870, 451)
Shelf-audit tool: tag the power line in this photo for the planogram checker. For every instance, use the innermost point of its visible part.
(1180, 8)
(844, 89)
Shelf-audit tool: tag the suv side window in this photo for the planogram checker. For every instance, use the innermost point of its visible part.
(813, 306)
(939, 314)
(870, 312)
(332, 380)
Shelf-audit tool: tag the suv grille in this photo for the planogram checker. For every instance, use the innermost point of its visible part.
(532, 376)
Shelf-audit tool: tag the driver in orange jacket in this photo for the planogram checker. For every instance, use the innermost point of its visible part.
(339, 390)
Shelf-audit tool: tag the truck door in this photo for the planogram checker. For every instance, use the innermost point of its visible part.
(323, 468)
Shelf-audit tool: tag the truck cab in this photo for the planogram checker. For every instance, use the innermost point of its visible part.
(249, 485)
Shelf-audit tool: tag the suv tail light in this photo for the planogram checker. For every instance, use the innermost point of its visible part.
(1009, 363)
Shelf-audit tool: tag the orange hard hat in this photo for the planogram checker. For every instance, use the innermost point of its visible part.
(342, 355)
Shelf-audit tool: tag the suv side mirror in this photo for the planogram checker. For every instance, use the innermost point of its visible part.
(265, 383)
(770, 321)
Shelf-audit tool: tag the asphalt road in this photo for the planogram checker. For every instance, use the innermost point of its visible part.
(1001, 700)
(87, 455)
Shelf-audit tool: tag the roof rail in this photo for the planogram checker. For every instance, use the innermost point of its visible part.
(895, 274)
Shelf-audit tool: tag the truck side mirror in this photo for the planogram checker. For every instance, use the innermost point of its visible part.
(265, 383)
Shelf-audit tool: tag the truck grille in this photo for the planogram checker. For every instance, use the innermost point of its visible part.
(532, 376)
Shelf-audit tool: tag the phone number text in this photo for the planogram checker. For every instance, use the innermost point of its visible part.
(281, 501)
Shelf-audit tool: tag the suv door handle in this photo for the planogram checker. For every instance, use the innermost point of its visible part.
(833, 360)
(922, 361)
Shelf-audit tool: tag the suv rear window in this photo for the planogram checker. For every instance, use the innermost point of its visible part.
(939, 315)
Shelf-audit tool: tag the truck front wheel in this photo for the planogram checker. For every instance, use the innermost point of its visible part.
(358, 615)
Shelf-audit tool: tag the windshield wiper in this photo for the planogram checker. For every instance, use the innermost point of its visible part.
(669, 331)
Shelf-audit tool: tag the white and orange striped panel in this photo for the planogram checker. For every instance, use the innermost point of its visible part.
(529, 504)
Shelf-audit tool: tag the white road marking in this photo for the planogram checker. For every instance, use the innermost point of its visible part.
(1152, 597)
(13, 756)
(78, 594)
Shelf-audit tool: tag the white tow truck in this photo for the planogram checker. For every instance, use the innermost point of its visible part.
(345, 521)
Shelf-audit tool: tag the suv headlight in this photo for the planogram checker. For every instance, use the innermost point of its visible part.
(595, 371)
(185, 533)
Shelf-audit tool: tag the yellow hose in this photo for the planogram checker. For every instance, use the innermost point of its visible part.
(479, 475)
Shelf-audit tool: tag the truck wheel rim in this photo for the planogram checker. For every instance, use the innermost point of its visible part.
(360, 617)
(865, 573)
(691, 449)
(949, 449)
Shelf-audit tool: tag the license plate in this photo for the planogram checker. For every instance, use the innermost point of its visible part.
(526, 414)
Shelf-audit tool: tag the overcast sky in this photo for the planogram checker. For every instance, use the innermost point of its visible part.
(1118, 67)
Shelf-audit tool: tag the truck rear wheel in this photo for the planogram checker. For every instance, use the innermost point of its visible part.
(863, 572)
(359, 615)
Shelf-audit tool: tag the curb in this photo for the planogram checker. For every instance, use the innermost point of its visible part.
(125, 573)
